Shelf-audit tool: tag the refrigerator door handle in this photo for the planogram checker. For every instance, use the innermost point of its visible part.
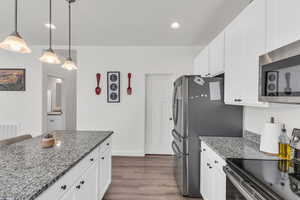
(176, 136)
(176, 149)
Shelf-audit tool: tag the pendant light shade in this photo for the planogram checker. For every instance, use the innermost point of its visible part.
(14, 42)
(69, 64)
(49, 56)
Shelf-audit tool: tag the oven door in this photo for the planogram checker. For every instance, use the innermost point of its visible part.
(238, 187)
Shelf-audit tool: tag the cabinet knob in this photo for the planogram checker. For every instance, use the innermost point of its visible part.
(204, 149)
(102, 158)
(82, 182)
(78, 187)
(63, 187)
(216, 162)
(92, 159)
(107, 144)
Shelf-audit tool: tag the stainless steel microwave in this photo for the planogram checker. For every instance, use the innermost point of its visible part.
(279, 75)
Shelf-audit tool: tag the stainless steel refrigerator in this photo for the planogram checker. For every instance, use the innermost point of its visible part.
(199, 110)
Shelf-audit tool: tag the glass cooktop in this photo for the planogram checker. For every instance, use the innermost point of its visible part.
(278, 176)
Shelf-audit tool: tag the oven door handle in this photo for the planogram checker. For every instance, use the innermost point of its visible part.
(242, 186)
(176, 135)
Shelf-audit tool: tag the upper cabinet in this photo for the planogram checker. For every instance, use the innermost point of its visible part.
(201, 63)
(210, 61)
(245, 41)
(283, 25)
(216, 55)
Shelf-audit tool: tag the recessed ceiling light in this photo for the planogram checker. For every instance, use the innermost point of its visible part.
(175, 25)
(47, 25)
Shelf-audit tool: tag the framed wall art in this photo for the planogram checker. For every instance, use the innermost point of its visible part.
(113, 87)
(12, 79)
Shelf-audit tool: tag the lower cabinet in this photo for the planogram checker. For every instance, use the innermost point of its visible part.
(104, 173)
(89, 179)
(86, 186)
(213, 178)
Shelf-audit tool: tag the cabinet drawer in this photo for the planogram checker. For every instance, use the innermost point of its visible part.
(106, 145)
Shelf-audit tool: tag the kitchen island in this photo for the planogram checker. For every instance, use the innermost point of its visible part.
(78, 165)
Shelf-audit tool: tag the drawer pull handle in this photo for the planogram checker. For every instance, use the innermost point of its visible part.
(78, 187)
(92, 159)
(63, 187)
(82, 182)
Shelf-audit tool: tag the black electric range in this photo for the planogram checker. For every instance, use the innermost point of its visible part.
(262, 179)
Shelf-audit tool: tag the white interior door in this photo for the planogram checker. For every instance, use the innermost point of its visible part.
(159, 88)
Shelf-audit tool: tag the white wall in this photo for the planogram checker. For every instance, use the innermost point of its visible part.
(254, 118)
(24, 108)
(126, 119)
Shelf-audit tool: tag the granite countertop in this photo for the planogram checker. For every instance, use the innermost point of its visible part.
(235, 147)
(26, 169)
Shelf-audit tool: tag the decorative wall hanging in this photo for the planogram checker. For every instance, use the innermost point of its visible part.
(113, 87)
(129, 89)
(98, 89)
(12, 79)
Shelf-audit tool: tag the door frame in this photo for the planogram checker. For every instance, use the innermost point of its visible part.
(172, 75)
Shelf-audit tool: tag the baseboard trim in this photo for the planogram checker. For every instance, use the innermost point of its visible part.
(128, 153)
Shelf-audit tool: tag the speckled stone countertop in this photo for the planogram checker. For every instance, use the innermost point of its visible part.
(235, 147)
(26, 169)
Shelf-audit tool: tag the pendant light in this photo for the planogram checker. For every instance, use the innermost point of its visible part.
(14, 42)
(49, 56)
(69, 63)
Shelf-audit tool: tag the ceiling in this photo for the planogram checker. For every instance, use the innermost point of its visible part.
(122, 22)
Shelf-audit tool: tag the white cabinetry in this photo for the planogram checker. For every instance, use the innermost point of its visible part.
(201, 63)
(216, 55)
(210, 61)
(88, 179)
(212, 175)
(283, 25)
(86, 186)
(104, 173)
(245, 41)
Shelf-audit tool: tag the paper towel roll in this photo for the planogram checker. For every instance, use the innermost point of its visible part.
(270, 138)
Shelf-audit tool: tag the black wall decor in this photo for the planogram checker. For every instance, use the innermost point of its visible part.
(113, 87)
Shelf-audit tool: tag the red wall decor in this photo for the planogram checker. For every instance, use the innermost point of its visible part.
(98, 89)
(129, 89)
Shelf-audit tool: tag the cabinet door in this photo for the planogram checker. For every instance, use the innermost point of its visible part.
(206, 185)
(234, 47)
(219, 181)
(216, 55)
(245, 42)
(201, 63)
(86, 186)
(283, 25)
(104, 175)
(69, 195)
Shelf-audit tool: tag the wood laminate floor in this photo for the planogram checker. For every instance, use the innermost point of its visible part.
(143, 178)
